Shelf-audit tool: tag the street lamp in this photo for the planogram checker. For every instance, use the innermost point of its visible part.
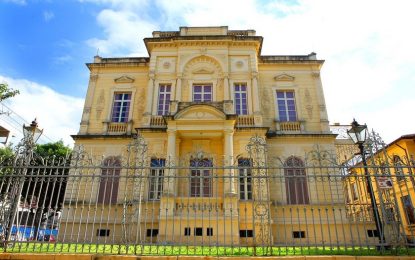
(359, 133)
(31, 134)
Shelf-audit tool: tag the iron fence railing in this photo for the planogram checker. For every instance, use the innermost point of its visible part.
(145, 210)
(134, 203)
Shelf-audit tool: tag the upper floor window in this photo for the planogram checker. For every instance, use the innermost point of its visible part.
(245, 179)
(109, 181)
(241, 104)
(121, 107)
(156, 179)
(164, 99)
(202, 93)
(286, 106)
(200, 178)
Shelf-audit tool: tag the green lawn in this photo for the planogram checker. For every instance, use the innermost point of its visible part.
(37, 247)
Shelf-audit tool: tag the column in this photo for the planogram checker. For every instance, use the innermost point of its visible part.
(149, 105)
(229, 175)
(226, 89)
(178, 96)
(169, 180)
(255, 94)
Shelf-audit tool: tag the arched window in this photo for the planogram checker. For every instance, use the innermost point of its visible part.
(109, 182)
(296, 181)
(200, 178)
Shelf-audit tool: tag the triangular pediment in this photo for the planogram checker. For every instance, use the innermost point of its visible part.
(200, 113)
(124, 79)
(284, 77)
(203, 71)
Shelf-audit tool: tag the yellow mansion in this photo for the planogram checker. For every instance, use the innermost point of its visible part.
(223, 135)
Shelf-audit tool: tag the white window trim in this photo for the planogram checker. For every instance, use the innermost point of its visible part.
(249, 101)
(117, 89)
(155, 94)
(192, 83)
(296, 98)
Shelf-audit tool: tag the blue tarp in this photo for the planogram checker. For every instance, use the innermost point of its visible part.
(27, 233)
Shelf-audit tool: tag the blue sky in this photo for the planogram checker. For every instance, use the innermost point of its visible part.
(367, 45)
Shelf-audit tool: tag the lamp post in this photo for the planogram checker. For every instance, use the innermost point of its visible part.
(359, 133)
(31, 134)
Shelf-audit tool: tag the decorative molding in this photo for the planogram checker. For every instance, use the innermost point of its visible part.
(124, 79)
(284, 77)
(93, 77)
(203, 71)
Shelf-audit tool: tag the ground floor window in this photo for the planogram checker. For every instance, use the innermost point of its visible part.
(200, 178)
(246, 233)
(103, 232)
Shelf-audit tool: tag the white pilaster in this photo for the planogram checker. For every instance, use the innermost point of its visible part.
(229, 184)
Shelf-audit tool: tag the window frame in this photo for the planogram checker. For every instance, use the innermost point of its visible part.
(245, 179)
(166, 102)
(156, 179)
(202, 93)
(125, 116)
(408, 208)
(238, 102)
(201, 185)
(111, 166)
(285, 99)
(296, 182)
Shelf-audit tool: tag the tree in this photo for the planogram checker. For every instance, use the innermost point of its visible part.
(43, 181)
(6, 92)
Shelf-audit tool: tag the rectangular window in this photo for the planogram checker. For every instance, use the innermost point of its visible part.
(298, 234)
(152, 232)
(164, 99)
(286, 106)
(209, 232)
(156, 179)
(198, 231)
(372, 233)
(202, 93)
(241, 103)
(187, 231)
(121, 107)
(246, 233)
(245, 179)
(103, 232)
(409, 209)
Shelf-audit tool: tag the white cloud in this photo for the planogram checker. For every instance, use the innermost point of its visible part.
(59, 115)
(62, 59)
(19, 2)
(121, 28)
(48, 15)
(366, 44)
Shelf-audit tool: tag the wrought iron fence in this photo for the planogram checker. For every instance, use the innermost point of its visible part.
(137, 203)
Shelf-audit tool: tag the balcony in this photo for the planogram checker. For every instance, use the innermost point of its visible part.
(117, 128)
(198, 206)
(157, 122)
(245, 121)
(290, 127)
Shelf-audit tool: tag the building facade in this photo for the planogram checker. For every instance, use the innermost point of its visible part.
(390, 168)
(225, 132)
